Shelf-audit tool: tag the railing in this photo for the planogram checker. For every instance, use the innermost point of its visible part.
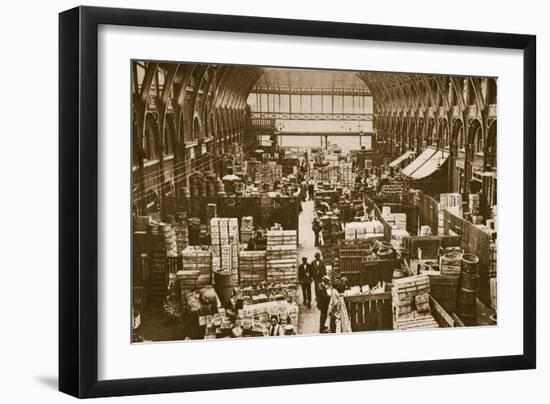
(263, 123)
(259, 89)
(428, 211)
(378, 216)
(411, 244)
(371, 312)
(440, 315)
(345, 322)
(311, 116)
(473, 239)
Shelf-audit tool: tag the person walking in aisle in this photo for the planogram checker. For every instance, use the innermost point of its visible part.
(303, 191)
(318, 270)
(316, 227)
(323, 300)
(311, 190)
(304, 277)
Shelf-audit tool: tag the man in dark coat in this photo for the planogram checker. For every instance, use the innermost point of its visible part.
(304, 277)
(318, 270)
(323, 300)
(311, 190)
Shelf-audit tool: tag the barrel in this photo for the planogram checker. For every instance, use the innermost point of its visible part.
(211, 211)
(470, 263)
(451, 258)
(386, 253)
(224, 286)
(469, 281)
(385, 245)
(466, 298)
(466, 306)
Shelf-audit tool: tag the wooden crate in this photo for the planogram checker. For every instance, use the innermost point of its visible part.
(252, 267)
(370, 272)
(369, 312)
(444, 288)
(415, 321)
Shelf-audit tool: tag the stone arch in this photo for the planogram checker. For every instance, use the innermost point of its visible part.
(458, 134)
(197, 128)
(475, 136)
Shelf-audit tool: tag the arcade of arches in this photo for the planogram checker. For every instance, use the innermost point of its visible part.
(186, 115)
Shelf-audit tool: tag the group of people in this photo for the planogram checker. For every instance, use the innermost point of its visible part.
(326, 296)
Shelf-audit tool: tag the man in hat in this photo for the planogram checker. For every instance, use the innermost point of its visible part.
(323, 300)
(304, 277)
(311, 190)
(318, 270)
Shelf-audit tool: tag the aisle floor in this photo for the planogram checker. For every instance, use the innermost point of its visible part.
(309, 318)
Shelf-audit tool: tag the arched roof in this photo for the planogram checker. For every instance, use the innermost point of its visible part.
(306, 78)
(228, 86)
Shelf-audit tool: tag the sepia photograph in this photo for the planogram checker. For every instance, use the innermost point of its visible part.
(282, 201)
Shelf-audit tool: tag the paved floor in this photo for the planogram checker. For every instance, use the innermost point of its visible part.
(309, 318)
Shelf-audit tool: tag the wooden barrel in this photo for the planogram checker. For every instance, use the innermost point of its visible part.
(386, 253)
(466, 306)
(224, 286)
(469, 281)
(384, 245)
(470, 263)
(466, 298)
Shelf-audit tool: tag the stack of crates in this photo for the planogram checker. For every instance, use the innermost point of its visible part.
(247, 228)
(347, 178)
(252, 268)
(197, 259)
(281, 256)
(224, 233)
(411, 303)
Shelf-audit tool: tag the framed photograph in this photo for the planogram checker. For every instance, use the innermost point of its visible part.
(251, 201)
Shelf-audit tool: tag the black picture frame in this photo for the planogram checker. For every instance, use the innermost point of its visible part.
(78, 200)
